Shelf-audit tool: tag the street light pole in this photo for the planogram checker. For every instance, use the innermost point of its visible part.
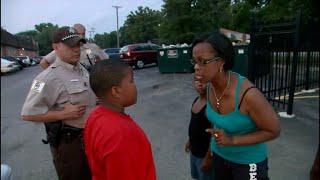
(91, 34)
(117, 7)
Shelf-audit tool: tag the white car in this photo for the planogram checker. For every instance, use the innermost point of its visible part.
(25, 59)
(6, 172)
(8, 66)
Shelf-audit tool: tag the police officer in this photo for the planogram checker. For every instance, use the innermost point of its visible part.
(90, 52)
(61, 93)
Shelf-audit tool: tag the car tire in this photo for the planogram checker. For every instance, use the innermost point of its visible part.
(139, 64)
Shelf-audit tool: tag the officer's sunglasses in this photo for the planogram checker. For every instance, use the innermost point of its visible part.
(203, 62)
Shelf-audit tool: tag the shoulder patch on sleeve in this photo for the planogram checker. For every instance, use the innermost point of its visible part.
(37, 86)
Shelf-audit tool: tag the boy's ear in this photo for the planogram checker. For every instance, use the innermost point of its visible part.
(115, 92)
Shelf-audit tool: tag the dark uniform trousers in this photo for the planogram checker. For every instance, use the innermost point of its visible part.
(69, 156)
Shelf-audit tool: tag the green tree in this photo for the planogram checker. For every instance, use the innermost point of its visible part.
(241, 13)
(284, 9)
(178, 24)
(106, 40)
(31, 33)
(44, 37)
(112, 39)
(184, 19)
(101, 40)
(140, 26)
(212, 14)
(44, 26)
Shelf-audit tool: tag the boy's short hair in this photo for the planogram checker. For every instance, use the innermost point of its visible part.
(107, 73)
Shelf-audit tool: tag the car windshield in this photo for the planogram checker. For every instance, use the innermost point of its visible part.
(22, 57)
(5, 62)
(113, 50)
(154, 46)
(9, 58)
(124, 49)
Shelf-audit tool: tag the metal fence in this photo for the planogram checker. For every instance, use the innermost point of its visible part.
(281, 62)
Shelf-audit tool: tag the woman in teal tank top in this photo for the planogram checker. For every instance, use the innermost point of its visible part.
(242, 117)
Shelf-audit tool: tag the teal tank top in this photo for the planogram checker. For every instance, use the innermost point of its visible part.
(235, 123)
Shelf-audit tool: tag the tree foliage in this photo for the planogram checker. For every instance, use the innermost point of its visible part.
(44, 37)
(31, 33)
(177, 24)
(140, 26)
(106, 40)
(42, 27)
(179, 21)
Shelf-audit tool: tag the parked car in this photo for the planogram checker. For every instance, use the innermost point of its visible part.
(8, 66)
(36, 59)
(33, 61)
(138, 55)
(13, 59)
(25, 59)
(113, 53)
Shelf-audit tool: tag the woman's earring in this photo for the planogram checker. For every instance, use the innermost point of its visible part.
(221, 68)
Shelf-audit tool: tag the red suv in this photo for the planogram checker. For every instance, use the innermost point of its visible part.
(138, 55)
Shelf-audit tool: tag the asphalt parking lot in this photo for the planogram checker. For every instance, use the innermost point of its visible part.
(163, 111)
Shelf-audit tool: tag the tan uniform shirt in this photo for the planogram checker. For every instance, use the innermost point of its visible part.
(91, 49)
(60, 83)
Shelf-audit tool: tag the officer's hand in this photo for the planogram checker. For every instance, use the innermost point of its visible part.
(71, 111)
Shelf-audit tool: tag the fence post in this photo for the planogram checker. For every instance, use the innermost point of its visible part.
(295, 64)
(307, 71)
(251, 65)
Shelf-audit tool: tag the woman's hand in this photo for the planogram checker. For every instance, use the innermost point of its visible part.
(206, 164)
(187, 147)
(221, 137)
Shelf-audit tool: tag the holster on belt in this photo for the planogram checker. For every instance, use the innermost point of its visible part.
(70, 132)
(53, 130)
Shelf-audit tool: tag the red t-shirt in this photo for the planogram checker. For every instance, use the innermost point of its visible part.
(116, 147)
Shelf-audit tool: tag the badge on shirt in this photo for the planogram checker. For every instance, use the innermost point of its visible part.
(37, 86)
(88, 51)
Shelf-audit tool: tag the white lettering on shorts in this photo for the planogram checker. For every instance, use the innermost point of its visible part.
(37, 86)
(252, 171)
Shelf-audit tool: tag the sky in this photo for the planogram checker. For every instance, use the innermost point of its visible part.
(22, 15)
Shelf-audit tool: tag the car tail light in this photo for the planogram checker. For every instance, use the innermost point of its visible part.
(128, 53)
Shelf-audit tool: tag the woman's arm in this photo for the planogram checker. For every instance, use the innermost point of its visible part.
(264, 117)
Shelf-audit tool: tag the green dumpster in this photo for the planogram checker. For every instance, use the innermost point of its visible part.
(241, 60)
(174, 60)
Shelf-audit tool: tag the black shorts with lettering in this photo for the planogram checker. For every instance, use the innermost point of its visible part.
(226, 170)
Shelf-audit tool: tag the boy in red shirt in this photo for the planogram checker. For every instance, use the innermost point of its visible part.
(116, 147)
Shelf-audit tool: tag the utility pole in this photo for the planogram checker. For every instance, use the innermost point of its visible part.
(117, 7)
(91, 33)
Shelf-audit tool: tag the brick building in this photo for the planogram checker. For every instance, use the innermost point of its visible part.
(12, 45)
